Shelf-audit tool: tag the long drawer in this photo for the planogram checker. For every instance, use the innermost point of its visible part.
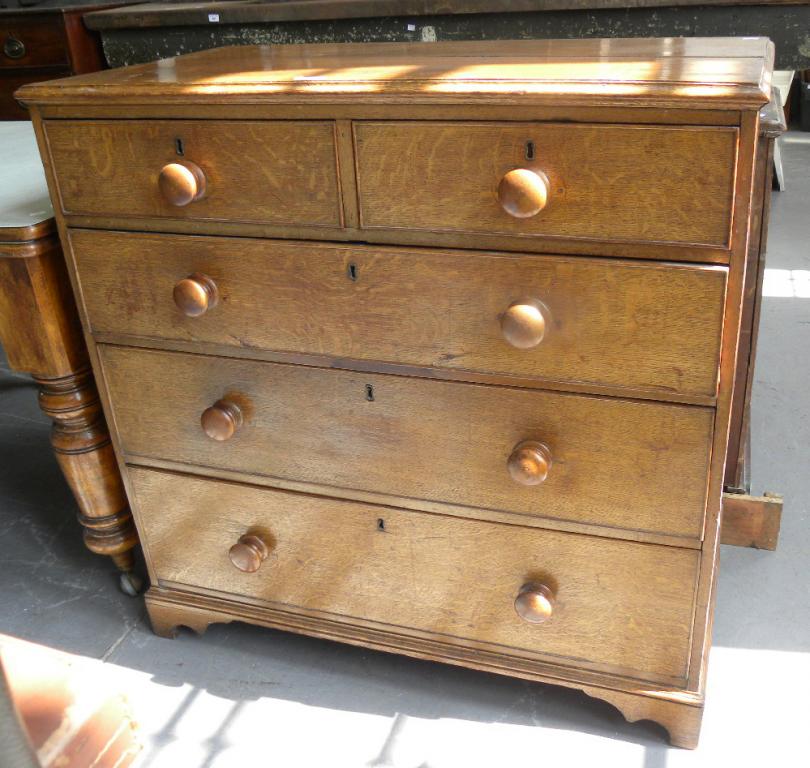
(269, 172)
(598, 182)
(652, 327)
(614, 604)
(620, 463)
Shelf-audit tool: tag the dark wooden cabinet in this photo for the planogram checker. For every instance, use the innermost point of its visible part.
(44, 44)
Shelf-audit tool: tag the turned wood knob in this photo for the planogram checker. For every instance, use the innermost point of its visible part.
(529, 463)
(195, 294)
(523, 193)
(181, 183)
(534, 603)
(523, 324)
(249, 553)
(221, 420)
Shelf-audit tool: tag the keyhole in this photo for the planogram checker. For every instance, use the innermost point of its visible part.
(530, 150)
(380, 524)
(178, 147)
(352, 272)
(370, 393)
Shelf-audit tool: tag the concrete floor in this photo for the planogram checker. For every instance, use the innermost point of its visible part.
(241, 693)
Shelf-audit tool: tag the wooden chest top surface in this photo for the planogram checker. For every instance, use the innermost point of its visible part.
(723, 73)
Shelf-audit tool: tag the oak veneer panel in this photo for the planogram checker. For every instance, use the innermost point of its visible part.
(453, 577)
(276, 172)
(662, 73)
(638, 183)
(621, 468)
(620, 463)
(649, 326)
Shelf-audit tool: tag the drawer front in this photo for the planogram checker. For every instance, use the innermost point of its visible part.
(599, 182)
(264, 172)
(32, 40)
(646, 326)
(622, 605)
(11, 80)
(621, 463)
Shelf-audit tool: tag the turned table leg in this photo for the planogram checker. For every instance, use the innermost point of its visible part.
(84, 452)
(40, 331)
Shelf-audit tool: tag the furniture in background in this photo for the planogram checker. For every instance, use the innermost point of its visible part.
(429, 349)
(42, 44)
(41, 334)
(147, 31)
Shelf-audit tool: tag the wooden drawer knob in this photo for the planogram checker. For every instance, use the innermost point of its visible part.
(195, 295)
(523, 193)
(221, 420)
(523, 325)
(534, 603)
(529, 463)
(181, 183)
(249, 553)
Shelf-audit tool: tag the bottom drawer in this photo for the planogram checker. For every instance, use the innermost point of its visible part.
(616, 605)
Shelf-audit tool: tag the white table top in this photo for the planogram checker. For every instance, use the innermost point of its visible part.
(24, 197)
(782, 80)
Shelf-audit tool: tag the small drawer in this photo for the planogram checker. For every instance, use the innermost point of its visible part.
(611, 462)
(524, 592)
(33, 40)
(630, 325)
(534, 180)
(269, 172)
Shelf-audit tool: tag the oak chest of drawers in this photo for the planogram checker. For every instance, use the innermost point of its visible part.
(427, 348)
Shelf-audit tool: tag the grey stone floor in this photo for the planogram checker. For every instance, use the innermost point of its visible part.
(242, 693)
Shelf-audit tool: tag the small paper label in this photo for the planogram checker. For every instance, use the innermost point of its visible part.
(411, 27)
(213, 18)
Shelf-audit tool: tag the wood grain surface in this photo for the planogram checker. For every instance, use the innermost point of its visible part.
(706, 592)
(446, 576)
(751, 521)
(638, 184)
(273, 172)
(620, 463)
(697, 72)
(738, 464)
(649, 148)
(645, 326)
(39, 328)
(40, 334)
